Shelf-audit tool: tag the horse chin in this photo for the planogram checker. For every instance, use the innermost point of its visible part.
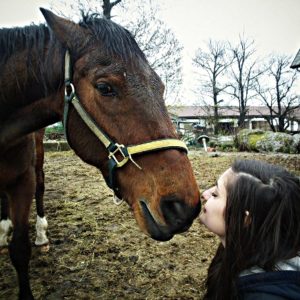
(153, 227)
(155, 224)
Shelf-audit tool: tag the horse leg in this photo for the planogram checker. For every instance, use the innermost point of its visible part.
(41, 221)
(5, 223)
(21, 195)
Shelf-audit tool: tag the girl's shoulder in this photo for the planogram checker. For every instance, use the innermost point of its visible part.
(292, 264)
(270, 285)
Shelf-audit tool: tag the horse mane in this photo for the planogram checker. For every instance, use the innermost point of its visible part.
(13, 40)
(32, 39)
(116, 39)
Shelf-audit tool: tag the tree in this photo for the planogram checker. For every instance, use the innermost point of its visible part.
(275, 91)
(214, 62)
(157, 41)
(107, 7)
(244, 75)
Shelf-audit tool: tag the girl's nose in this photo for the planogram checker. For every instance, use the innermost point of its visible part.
(205, 195)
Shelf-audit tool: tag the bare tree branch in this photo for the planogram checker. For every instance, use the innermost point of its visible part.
(107, 7)
(278, 96)
(160, 46)
(214, 63)
(244, 74)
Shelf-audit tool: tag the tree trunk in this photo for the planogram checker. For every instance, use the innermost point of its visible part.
(241, 120)
(281, 124)
(216, 116)
(270, 122)
(107, 7)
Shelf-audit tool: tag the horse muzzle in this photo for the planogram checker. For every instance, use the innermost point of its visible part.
(177, 215)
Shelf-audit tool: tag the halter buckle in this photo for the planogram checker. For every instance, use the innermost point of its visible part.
(112, 154)
(69, 91)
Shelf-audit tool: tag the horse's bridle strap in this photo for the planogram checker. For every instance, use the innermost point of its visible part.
(131, 150)
(155, 145)
(90, 122)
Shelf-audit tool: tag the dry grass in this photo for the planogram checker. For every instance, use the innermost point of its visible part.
(97, 250)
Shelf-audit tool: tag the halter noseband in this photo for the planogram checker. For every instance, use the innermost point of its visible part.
(113, 148)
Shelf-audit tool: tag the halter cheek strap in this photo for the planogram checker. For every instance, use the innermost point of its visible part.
(118, 154)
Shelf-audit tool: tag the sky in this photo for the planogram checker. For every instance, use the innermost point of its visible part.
(274, 25)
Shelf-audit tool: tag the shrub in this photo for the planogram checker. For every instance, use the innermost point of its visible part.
(55, 131)
(260, 141)
(246, 139)
(276, 142)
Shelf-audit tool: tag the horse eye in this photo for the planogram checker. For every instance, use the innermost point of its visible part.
(105, 89)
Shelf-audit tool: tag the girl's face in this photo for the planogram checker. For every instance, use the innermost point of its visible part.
(214, 204)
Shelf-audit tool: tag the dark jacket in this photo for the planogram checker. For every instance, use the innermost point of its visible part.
(270, 286)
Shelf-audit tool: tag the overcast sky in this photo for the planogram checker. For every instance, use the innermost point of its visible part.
(273, 24)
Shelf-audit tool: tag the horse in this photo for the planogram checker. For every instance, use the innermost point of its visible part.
(41, 225)
(94, 77)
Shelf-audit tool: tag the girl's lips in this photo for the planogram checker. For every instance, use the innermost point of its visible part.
(203, 205)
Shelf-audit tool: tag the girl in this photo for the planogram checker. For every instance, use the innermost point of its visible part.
(255, 210)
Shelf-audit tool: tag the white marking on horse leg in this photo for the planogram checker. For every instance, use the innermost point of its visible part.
(41, 228)
(5, 226)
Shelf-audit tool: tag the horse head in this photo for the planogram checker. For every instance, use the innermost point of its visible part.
(122, 97)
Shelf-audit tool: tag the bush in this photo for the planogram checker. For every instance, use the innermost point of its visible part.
(212, 144)
(246, 139)
(226, 147)
(55, 131)
(260, 141)
(276, 142)
(296, 142)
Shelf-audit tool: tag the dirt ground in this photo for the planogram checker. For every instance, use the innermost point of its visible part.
(97, 250)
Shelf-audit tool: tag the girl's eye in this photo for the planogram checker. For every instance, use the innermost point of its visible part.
(214, 193)
(105, 89)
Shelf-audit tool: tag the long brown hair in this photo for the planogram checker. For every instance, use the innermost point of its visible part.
(271, 195)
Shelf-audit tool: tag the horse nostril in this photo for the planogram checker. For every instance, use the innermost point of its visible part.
(177, 213)
(172, 211)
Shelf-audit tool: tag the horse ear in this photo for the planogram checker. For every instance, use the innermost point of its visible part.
(63, 29)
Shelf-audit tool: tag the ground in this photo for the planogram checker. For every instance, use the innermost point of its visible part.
(97, 250)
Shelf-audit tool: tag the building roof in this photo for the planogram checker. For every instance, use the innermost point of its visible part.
(224, 111)
(296, 61)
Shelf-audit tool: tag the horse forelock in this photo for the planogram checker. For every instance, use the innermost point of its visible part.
(114, 38)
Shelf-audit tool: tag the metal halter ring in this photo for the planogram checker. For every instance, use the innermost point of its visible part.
(69, 93)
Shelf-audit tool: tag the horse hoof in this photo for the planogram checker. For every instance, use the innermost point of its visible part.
(3, 250)
(44, 248)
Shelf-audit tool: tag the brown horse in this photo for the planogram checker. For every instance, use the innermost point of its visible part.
(114, 116)
(41, 221)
